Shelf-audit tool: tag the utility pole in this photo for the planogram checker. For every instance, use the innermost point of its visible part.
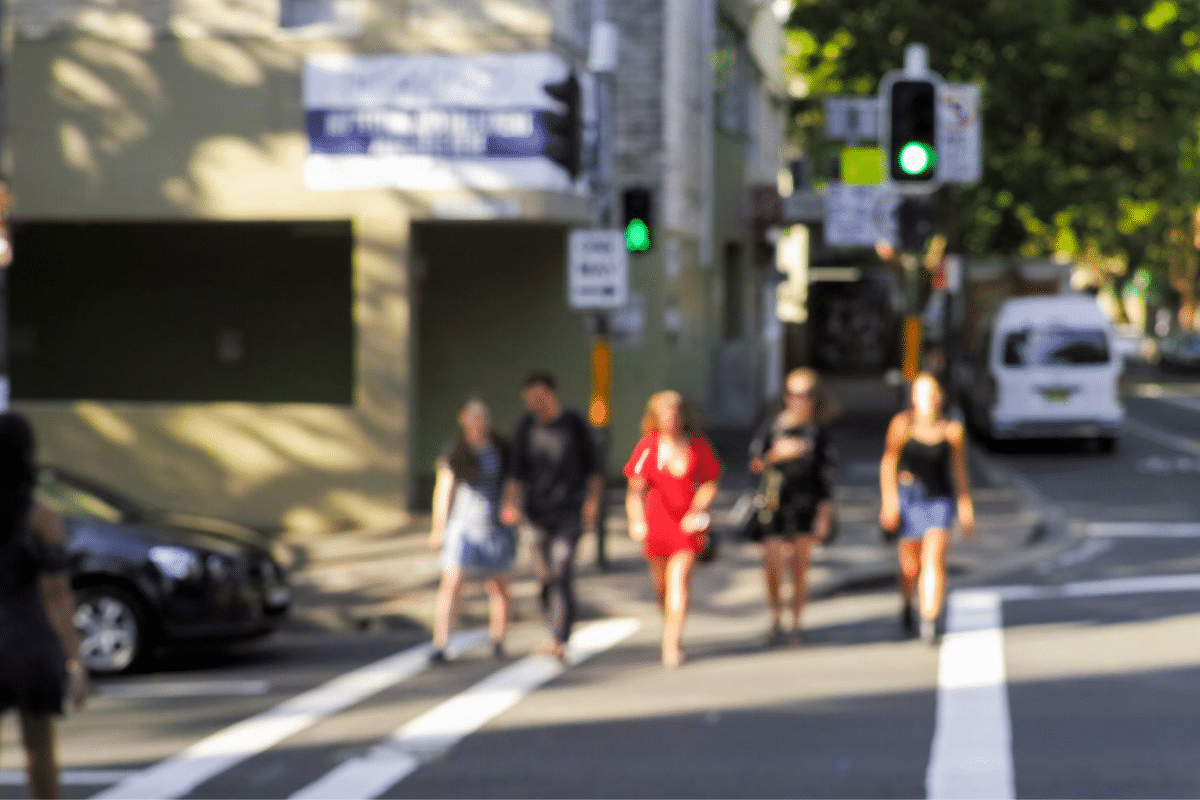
(602, 64)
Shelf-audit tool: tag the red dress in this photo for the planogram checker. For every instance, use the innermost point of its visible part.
(670, 497)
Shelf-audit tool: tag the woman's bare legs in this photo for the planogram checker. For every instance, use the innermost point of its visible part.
(445, 605)
(799, 561)
(908, 552)
(678, 595)
(933, 572)
(498, 605)
(658, 577)
(773, 549)
(37, 733)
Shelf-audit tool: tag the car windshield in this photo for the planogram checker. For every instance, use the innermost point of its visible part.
(72, 500)
(1055, 346)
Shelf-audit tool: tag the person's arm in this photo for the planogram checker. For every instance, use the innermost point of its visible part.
(635, 508)
(889, 493)
(594, 469)
(443, 490)
(708, 472)
(760, 444)
(823, 467)
(60, 602)
(513, 494)
(962, 481)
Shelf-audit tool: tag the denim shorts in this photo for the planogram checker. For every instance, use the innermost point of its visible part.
(920, 513)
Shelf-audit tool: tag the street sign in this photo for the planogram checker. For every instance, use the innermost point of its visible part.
(860, 216)
(851, 119)
(597, 270)
(960, 133)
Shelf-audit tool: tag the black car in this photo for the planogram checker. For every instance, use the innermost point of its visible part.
(145, 578)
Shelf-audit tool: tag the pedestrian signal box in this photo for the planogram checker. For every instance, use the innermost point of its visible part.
(912, 135)
(636, 205)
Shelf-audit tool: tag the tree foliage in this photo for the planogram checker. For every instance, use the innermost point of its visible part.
(1091, 114)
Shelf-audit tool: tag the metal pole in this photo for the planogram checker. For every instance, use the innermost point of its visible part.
(602, 67)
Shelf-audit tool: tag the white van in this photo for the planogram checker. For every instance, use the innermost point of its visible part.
(1046, 367)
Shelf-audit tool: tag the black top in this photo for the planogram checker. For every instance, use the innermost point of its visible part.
(32, 663)
(553, 460)
(806, 478)
(930, 465)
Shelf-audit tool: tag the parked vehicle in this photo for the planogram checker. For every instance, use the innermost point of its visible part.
(1180, 353)
(146, 578)
(1044, 367)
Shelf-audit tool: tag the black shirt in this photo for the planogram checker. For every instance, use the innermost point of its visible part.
(553, 460)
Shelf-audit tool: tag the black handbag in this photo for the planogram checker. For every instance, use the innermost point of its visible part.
(711, 548)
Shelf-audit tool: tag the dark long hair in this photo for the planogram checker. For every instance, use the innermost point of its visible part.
(17, 473)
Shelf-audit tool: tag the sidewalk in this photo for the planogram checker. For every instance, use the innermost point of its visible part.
(386, 579)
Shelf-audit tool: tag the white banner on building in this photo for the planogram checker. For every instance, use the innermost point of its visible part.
(860, 216)
(431, 122)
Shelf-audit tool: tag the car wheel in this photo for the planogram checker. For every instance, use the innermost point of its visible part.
(112, 629)
(1107, 444)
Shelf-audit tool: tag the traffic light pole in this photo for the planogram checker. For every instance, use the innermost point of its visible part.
(602, 58)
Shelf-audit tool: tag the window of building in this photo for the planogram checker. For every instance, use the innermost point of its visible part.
(731, 70)
(182, 312)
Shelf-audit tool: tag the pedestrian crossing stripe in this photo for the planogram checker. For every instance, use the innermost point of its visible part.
(391, 761)
(1147, 530)
(442, 727)
(70, 777)
(180, 774)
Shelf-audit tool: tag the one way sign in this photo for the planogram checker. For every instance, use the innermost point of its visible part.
(597, 269)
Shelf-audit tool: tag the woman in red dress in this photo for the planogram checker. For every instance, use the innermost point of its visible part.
(672, 484)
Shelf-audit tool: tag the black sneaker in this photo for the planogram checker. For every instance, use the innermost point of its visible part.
(438, 656)
(498, 651)
(908, 620)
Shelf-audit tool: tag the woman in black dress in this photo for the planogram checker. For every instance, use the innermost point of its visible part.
(39, 649)
(793, 453)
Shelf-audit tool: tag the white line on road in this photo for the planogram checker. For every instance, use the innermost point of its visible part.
(1142, 584)
(1148, 530)
(70, 777)
(442, 727)
(1162, 437)
(972, 741)
(180, 774)
(182, 689)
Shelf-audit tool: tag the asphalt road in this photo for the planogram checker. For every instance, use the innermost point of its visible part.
(1068, 673)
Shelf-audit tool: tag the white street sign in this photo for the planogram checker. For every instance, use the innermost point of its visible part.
(597, 269)
(852, 119)
(860, 216)
(959, 133)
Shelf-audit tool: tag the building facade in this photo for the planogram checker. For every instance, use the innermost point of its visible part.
(216, 305)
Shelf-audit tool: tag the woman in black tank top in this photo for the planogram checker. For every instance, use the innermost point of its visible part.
(923, 485)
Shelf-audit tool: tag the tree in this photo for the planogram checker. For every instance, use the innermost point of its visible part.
(1091, 115)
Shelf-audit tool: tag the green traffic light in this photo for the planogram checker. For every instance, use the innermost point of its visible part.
(637, 236)
(917, 158)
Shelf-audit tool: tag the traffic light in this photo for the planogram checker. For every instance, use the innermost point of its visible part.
(912, 136)
(636, 205)
(563, 130)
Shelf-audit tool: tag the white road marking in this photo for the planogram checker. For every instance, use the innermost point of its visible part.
(971, 754)
(1148, 530)
(1162, 437)
(972, 741)
(442, 727)
(71, 777)
(182, 689)
(177, 776)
